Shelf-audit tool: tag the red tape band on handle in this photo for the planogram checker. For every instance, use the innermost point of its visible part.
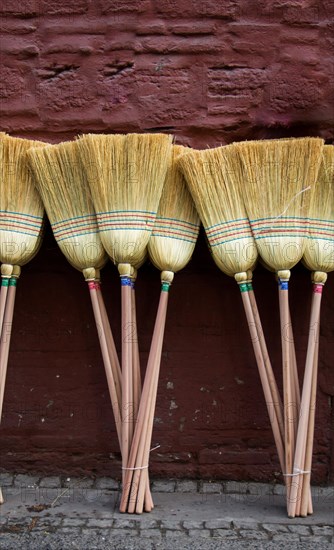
(317, 289)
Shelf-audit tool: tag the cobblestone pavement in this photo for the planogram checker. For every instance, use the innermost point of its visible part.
(63, 513)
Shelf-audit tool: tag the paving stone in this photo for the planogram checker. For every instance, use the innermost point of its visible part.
(147, 523)
(213, 487)
(154, 534)
(191, 524)
(22, 480)
(225, 533)
(171, 524)
(323, 530)
(6, 480)
(186, 486)
(72, 522)
(124, 524)
(244, 524)
(315, 540)
(77, 482)
(161, 486)
(300, 529)
(94, 533)
(201, 533)
(51, 482)
(218, 523)
(275, 528)
(287, 538)
(72, 530)
(279, 490)
(253, 534)
(100, 523)
(107, 483)
(113, 532)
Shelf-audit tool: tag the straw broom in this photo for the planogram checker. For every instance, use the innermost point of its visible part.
(278, 176)
(126, 175)
(170, 248)
(62, 184)
(318, 258)
(21, 224)
(215, 181)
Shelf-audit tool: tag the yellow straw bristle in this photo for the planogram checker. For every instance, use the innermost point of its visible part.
(62, 183)
(279, 176)
(177, 223)
(126, 176)
(21, 209)
(214, 177)
(319, 252)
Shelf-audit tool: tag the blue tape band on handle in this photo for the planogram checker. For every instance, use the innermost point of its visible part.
(126, 281)
(284, 285)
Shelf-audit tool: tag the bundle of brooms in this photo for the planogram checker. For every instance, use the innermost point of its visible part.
(170, 248)
(279, 176)
(21, 225)
(319, 258)
(126, 176)
(62, 184)
(215, 180)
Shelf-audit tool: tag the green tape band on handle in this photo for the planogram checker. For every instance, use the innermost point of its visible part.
(243, 287)
(5, 282)
(13, 281)
(250, 287)
(165, 287)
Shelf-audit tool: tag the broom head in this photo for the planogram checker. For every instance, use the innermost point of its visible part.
(62, 184)
(21, 209)
(214, 178)
(279, 176)
(126, 176)
(176, 226)
(319, 251)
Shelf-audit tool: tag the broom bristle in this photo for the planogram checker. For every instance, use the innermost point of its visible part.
(21, 209)
(279, 175)
(214, 177)
(177, 223)
(62, 183)
(126, 176)
(318, 255)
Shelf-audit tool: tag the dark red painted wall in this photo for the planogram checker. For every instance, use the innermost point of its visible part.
(210, 72)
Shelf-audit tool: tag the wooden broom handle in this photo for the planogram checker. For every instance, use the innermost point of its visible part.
(306, 506)
(143, 411)
(287, 381)
(116, 368)
(127, 397)
(5, 339)
(276, 398)
(106, 358)
(135, 356)
(6, 273)
(299, 459)
(262, 371)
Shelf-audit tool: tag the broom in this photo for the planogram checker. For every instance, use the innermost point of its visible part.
(62, 184)
(319, 259)
(170, 248)
(278, 176)
(215, 181)
(21, 223)
(126, 175)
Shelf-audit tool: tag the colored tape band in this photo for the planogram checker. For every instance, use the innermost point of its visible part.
(91, 285)
(317, 288)
(97, 285)
(243, 287)
(250, 287)
(13, 281)
(165, 287)
(5, 282)
(126, 281)
(284, 285)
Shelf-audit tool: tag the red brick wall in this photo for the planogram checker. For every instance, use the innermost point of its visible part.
(210, 72)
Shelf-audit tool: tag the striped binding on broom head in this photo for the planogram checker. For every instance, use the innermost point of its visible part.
(279, 176)
(177, 223)
(21, 209)
(126, 175)
(319, 251)
(214, 178)
(62, 183)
